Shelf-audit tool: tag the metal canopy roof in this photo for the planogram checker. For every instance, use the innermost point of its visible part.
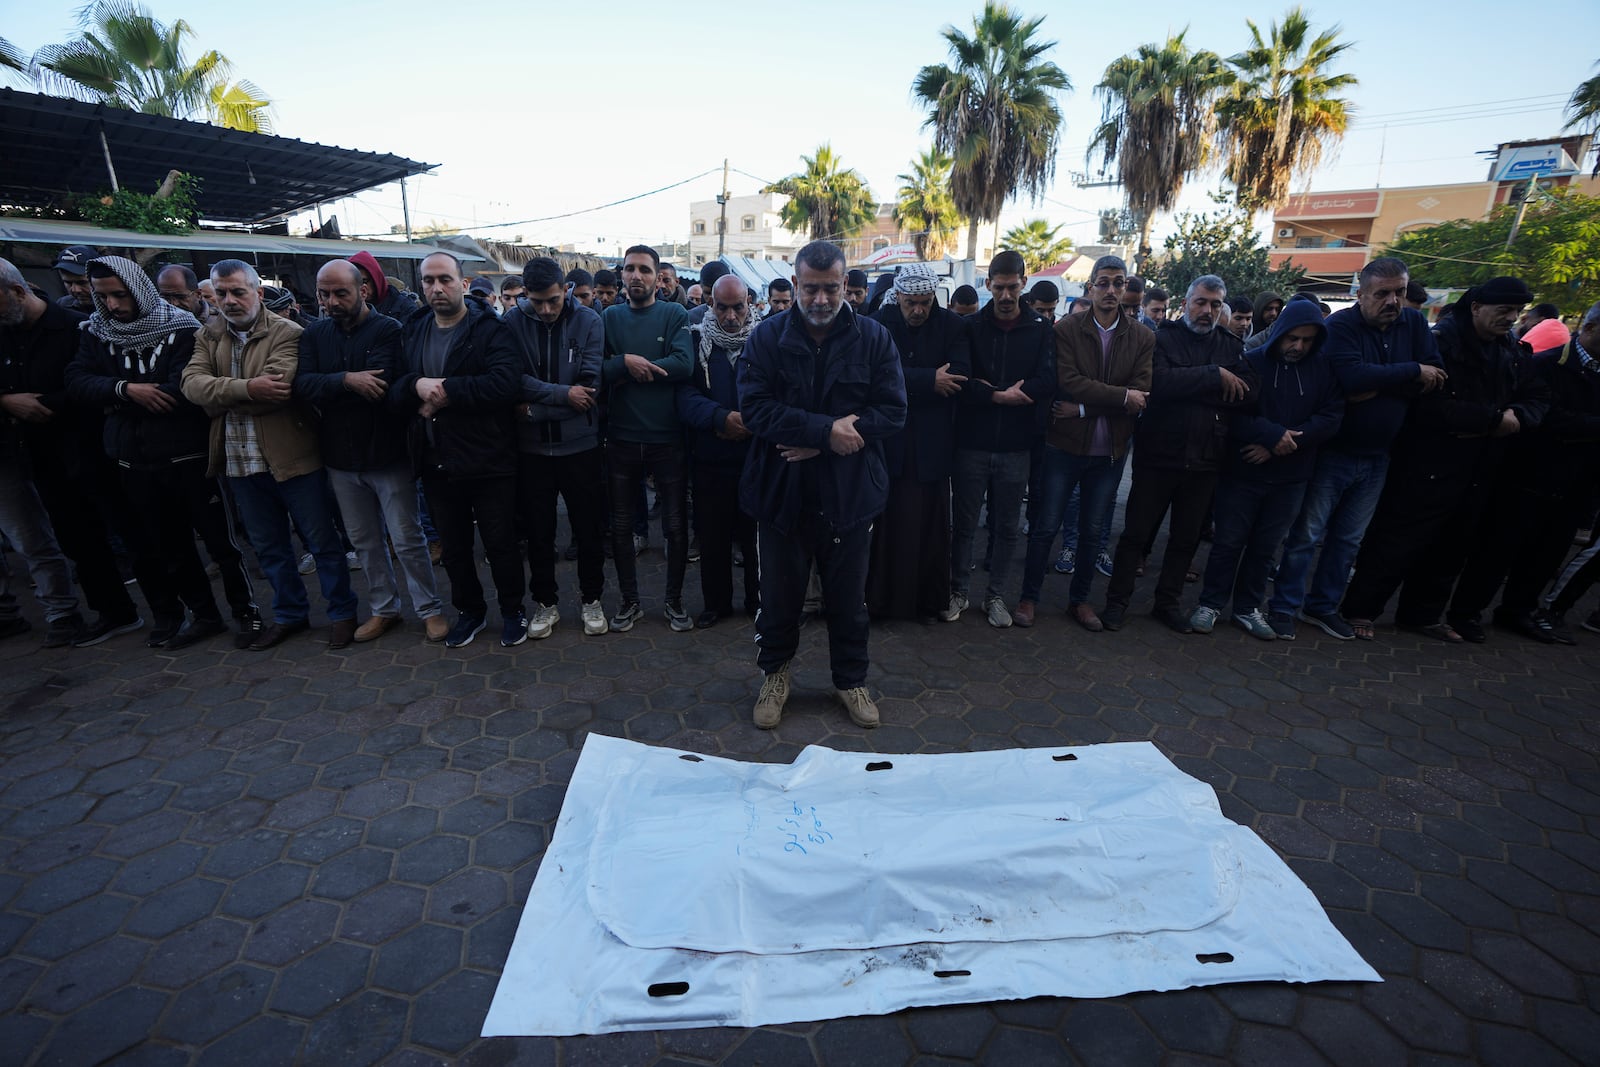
(51, 148)
(55, 232)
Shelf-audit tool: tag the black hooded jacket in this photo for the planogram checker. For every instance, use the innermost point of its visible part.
(1303, 396)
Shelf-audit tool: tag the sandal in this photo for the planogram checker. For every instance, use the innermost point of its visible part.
(1364, 628)
(1441, 631)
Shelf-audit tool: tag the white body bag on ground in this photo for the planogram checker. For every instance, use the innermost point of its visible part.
(682, 890)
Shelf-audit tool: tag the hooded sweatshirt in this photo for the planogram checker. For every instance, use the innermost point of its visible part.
(1303, 396)
(386, 300)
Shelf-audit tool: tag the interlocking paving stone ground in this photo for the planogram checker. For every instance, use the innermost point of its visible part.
(320, 857)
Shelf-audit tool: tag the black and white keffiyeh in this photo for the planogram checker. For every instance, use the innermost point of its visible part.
(157, 321)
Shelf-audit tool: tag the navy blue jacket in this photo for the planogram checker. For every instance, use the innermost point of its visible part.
(779, 403)
(1025, 353)
(1302, 396)
(555, 357)
(473, 436)
(1384, 362)
(353, 434)
(929, 435)
(704, 402)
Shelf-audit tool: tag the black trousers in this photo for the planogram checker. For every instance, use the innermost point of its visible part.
(579, 480)
(1418, 543)
(491, 503)
(629, 464)
(168, 506)
(74, 499)
(720, 523)
(785, 565)
(1522, 541)
(1154, 490)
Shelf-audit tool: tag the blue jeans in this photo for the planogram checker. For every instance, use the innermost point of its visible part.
(266, 505)
(1003, 475)
(1251, 519)
(1069, 522)
(1340, 499)
(1096, 477)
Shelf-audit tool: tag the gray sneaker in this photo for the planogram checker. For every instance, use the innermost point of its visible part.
(1204, 619)
(999, 615)
(1282, 624)
(958, 604)
(1256, 625)
(863, 712)
(626, 616)
(677, 618)
(774, 694)
(594, 619)
(543, 620)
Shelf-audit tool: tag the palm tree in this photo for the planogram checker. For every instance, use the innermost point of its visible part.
(12, 58)
(925, 207)
(1158, 124)
(127, 58)
(1583, 113)
(993, 110)
(825, 201)
(1039, 244)
(1281, 114)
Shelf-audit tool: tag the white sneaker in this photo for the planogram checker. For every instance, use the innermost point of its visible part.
(640, 544)
(594, 619)
(999, 614)
(352, 560)
(543, 620)
(958, 604)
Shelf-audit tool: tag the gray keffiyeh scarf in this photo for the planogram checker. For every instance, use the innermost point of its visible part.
(713, 336)
(157, 321)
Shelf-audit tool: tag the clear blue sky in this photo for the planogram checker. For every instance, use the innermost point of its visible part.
(534, 110)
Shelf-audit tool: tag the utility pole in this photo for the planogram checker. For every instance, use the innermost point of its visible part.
(1522, 209)
(722, 226)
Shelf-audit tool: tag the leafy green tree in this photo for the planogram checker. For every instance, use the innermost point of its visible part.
(1039, 243)
(1583, 113)
(1281, 114)
(1158, 124)
(925, 207)
(125, 57)
(993, 109)
(1556, 250)
(826, 201)
(1224, 243)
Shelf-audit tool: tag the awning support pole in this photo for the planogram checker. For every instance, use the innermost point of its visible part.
(109, 168)
(405, 209)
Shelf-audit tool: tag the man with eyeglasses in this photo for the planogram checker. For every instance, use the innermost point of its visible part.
(1102, 369)
(1198, 376)
(180, 287)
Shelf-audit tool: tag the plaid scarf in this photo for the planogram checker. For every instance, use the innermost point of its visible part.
(713, 336)
(157, 321)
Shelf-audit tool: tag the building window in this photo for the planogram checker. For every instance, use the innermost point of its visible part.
(880, 243)
(747, 223)
(699, 225)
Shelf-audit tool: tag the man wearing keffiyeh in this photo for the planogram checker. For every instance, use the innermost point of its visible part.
(131, 355)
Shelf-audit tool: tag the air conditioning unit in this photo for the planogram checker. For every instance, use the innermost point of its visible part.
(1285, 231)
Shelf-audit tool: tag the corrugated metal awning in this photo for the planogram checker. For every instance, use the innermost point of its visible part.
(61, 234)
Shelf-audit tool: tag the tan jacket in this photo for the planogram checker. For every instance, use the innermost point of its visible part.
(285, 432)
(1079, 381)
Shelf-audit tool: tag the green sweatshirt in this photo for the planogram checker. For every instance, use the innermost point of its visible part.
(645, 413)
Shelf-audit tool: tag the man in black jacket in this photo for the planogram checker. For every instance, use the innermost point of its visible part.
(820, 388)
(909, 573)
(459, 383)
(1443, 464)
(66, 460)
(22, 517)
(130, 358)
(347, 360)
(1002, 407)
(1198, 376)
(561, 345)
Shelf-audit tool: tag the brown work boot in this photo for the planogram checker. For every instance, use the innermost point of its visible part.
(863, 712)
(774, 694)
(1023, 616)
(376, 627)
(437, 628)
